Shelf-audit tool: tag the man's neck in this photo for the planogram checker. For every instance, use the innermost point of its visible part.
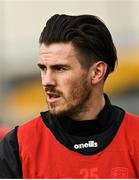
(91, 110)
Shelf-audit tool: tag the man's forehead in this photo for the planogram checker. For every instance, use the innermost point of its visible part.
(58, 48)
(58, 53)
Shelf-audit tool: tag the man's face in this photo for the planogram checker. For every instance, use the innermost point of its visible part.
(65, 82)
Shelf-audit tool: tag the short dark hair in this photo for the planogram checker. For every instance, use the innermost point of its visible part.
(88, 34)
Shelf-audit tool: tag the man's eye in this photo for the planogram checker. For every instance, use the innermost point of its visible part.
(60, 68)
(42, 67)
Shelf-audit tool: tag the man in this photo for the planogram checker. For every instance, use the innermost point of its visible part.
(82, 135)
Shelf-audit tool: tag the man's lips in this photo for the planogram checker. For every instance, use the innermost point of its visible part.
(51, 97)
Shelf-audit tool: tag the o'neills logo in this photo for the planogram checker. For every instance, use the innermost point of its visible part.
(89, 144)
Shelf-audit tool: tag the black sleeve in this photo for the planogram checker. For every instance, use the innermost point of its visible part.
(10, 165)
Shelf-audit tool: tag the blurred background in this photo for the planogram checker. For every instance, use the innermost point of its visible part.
(21, 22)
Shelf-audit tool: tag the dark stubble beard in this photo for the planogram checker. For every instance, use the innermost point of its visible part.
(79, 99)
(77, 102)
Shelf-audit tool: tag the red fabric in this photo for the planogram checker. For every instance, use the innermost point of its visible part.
(42, 156)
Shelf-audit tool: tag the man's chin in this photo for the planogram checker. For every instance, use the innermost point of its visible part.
(58, 110)
(62, 111)
(55, 110)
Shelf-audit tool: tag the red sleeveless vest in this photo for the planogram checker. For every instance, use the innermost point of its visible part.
(43, 156)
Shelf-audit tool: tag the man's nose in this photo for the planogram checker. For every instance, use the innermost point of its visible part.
(48, 79)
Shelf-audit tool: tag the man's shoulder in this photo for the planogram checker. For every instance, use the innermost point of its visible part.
(31, 130)
(131, 117)
(31, 122)
(3, 131)
(131, 124)
(32, 125)
(38, 120)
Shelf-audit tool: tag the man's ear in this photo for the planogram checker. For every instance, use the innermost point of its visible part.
(98, 72)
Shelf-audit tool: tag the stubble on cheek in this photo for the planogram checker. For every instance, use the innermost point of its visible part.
(80, 95)
(76, 99)
(72, 98)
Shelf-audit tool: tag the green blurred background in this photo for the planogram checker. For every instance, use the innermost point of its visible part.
(21, 22)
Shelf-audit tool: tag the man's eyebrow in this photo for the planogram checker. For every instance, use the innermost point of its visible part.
(41, 65)
(54, 66)
(66, 65)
